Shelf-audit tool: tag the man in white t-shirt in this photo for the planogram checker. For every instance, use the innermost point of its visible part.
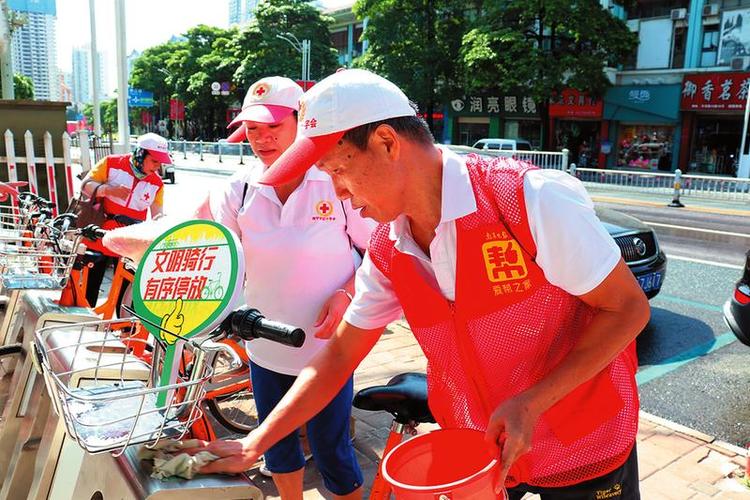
(516, 293)
(300, 246)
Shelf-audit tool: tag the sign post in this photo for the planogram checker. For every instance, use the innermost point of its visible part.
(189, 279)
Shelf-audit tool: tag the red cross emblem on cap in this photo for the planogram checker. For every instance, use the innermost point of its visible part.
(324, 208)
(146, 196)
(260, 90)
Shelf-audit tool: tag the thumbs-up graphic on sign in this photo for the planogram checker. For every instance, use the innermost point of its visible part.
(172, 322)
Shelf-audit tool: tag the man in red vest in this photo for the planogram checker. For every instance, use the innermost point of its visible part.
(518, 296)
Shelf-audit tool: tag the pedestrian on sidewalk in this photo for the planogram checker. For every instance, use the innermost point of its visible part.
(517, 295)
(302, 247)
(129, 186)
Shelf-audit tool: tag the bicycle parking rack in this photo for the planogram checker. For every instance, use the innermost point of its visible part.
(45, 463)
(104, 477)
(27, 404)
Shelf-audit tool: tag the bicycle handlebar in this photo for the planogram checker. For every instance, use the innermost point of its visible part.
(250, 324)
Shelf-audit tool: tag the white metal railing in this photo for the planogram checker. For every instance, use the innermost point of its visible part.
(220, 150)
(676, 183)
(543, 159)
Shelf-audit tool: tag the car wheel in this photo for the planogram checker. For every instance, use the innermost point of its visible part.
(171, 177)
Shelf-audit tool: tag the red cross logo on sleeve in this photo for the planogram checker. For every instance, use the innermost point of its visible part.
(324, 208)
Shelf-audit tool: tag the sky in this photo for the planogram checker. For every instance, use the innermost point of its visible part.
(148, 23)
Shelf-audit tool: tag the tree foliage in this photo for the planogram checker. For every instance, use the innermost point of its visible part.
(416, 44)
(23, 87)
(543, 46)
(185, 69)
(262, 53)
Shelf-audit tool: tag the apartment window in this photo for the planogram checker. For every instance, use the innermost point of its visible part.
(733, 4)
(678, 47)
(710, 46)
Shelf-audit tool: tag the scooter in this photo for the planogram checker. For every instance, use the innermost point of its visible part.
(737, 308)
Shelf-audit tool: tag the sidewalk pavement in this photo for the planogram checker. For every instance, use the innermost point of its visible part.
(675, 462)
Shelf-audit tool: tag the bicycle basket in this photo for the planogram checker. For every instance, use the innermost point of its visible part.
(105, 395)
(39, 263)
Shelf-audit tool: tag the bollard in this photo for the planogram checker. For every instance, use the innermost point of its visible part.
(241, 149)
(200, 149)
(565, 157)
(676, 203)
(219, 145)
(572, 169)
(184, 149)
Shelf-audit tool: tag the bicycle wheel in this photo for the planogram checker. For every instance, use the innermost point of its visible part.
(230, 399)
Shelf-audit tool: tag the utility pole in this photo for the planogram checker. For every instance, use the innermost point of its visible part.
(6, 62)
(95, 70)
(123, 127)
(303, 48)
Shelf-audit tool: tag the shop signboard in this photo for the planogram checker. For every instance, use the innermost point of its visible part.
(517, 105)
(571, 103)
(642, 103)
(715, 91)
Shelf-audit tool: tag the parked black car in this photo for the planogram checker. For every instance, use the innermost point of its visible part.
(737, 308)
(637, 242)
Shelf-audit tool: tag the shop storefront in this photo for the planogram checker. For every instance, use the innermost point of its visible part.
(643, 127)
(575, 122)
(712, 106)
(477, 117)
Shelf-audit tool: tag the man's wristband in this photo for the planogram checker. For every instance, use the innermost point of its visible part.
(346, 292)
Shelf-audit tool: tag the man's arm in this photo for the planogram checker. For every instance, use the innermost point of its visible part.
(315, 386)
(622, 311)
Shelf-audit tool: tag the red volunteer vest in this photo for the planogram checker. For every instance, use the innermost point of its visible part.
(506, 330)
(142, 194)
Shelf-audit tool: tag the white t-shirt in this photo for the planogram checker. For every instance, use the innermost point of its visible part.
(296, 255)
(574, 250)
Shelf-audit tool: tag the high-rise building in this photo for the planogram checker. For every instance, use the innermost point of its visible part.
(81, 78)
(241, 12)
(34, 46)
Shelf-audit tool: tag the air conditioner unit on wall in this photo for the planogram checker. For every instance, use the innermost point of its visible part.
(678, 14)
(740, 63)
(710, 10)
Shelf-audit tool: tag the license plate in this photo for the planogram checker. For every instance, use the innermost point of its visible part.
(650, 281)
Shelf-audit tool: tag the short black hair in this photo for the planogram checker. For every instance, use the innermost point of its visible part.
(413, 128)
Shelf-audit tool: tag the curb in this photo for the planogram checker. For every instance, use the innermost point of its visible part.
(728, 448)
(689, 208)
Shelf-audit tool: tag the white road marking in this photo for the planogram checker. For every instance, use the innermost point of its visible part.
(696, 229)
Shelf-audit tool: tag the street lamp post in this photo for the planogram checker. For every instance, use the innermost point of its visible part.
(303, 48)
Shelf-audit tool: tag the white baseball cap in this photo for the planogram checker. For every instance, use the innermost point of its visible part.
(156, 146)
(269, 100)
(338, 103)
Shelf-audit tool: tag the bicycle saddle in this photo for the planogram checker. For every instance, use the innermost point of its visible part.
(404, 397)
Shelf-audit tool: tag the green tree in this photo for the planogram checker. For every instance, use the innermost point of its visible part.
(261, 53)
(108, 112)
(23, 86)
(416, 44)
(544, 46)
(150, 73)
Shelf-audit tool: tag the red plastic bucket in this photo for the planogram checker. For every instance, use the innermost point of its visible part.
(447, 464)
